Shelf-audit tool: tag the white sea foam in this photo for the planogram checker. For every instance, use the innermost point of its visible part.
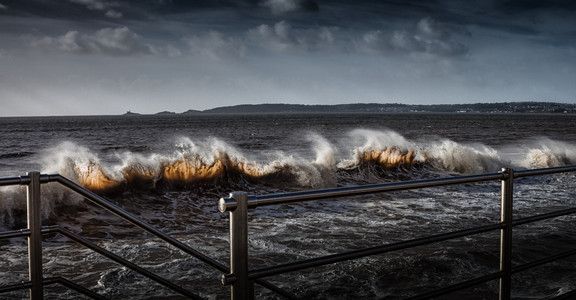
(545, 153)
(451, 156)
(190, 161)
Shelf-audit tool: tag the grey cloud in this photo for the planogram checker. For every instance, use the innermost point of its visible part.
(113, 14)
(3, 7)
(215, 44)
(428, 37)
(169, 50)
(110, 41)
(282, 37)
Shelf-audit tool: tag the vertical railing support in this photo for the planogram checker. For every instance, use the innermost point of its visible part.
(506, 235)
(241, 288)
(35, 238)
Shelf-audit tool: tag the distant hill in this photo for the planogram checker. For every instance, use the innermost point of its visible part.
(501, 107)
(166, 113)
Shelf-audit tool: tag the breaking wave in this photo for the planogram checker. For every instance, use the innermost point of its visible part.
(214, 162)
(360, 157)
(546, 153)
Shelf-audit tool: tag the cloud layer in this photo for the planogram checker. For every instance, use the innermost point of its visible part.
(179, 55)
(426, 36)
(109, 41)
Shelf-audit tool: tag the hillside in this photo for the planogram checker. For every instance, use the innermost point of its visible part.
(501, 107)
(506, 107)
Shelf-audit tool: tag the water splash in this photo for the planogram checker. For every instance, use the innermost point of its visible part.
(450, 156)
(215, 162)
(546, 153)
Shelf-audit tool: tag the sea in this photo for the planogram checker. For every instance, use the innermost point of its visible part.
(171, 170)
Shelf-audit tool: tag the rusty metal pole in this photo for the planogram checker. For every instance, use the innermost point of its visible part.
(241, 288)
(35, 237)
(506, 235)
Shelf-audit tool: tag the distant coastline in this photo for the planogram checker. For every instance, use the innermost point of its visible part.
(501, 107)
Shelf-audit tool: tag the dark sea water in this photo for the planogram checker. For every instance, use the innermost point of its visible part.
(171, 170)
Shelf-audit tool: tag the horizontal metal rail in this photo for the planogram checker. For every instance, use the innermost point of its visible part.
(240, 277)
(544, 171)
(14, 234)
(15, 287)
(545, 216)
(22, 180)
(543, 261)
(229, 204)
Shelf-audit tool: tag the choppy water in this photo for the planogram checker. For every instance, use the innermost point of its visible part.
(171, 170)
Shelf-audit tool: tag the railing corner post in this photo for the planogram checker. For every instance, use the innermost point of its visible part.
(35, 238)
(505, 289)
(241, 288)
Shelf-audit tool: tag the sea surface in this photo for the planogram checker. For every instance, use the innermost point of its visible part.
(170, 171)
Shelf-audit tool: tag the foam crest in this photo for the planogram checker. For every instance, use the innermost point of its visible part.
(546, 153)
(213, 161)
(325, 151)
(137, 168)
(325, 162)
(188, 162)
(450, 156)
(384, 148)
(375, 139)
(77, 163)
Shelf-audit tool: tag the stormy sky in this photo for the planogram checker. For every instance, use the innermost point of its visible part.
(92, 57)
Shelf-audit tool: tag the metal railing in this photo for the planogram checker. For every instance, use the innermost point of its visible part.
(238, 275)
(241, 279)
(34, 232)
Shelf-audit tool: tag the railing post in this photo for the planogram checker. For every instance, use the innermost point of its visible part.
(241, 288)
(506, 235)
(35, 238)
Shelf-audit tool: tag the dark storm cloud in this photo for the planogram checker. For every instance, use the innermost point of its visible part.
(215, 27)
(86, 10)
(101, 6)
(515, 6)
(514, 15)
(279, 7)
(80, 9)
